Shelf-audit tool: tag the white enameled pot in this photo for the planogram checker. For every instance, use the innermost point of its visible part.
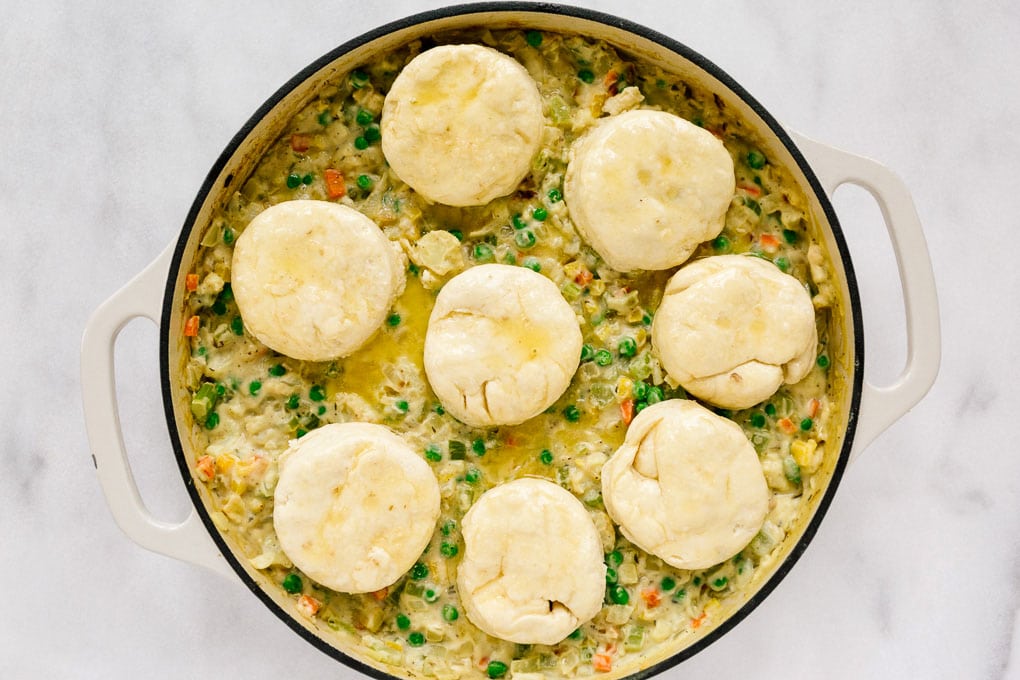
(157, 293)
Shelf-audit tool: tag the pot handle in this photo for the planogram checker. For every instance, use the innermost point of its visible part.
(881, 406)
(141, 297)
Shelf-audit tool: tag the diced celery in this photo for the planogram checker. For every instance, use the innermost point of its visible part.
(634, 638)
(204, 401)
(791, 470)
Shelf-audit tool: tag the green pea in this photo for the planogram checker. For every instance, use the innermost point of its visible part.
(293, 180)
(450, 613)
(533, 38)
(533, 264)
(359, 79)
(823, 361)
(237, 326)
(496, 669)
(416, 639)
(667, 583)
(212, 420)
(540, 214)
(718, 583)
(478, 446)
(576, 635)
(757, 420)
(322, 410)
(308, 179)
(433, 453)
(572, 413)
(721, 243)
(317, 393)
(364, 117)
(402, 405)
(482, 252)
(448, 549)
(430, 595)
(228, 235)
(790, 235)
(546, 457)
(448, 527)
(300, 432)
(419, 571)
(277, 370)
(627, 347)
(403, 622)
(373, 134)
(292, 583)
(586, 75)
(655, 395)
(439, 410)
(393, 320)
(364, 182)
(615, 558)
(806, 424)
(770, 409)
(472, 476)
(254, 386)
(756, 159)
(325, 118)
(219, 307)
(293, 402)
(525, 239)
(587, 352)
(619, 595)
(360, 143)
(782, 263)
(555, 195)
(603, 357)
(641, 391)
(518, 222)
(611, 576)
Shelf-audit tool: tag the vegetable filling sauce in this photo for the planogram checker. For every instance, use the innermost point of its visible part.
(249, 402)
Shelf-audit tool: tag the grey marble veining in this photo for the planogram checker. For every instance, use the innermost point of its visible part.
(111, 116)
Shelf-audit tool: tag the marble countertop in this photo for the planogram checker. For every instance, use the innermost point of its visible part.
(111, 117)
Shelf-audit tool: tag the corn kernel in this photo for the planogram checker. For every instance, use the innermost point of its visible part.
(803, 452)
(225, 461)
(624, 388)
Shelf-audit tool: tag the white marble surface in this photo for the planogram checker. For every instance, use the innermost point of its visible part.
(110, 119)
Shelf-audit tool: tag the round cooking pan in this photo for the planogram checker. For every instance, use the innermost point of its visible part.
(157, 293)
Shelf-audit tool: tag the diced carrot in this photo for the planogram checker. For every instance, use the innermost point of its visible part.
(652, 597)
(191, 327)
(335, 186)
(300, 142)
(752, 189)
(191, 282)
(611, 82)
(206, 468)
(308, 606)
(380, 595)
(812, 408)
(769, 243)
(584, 277)
(787, 425)
(603, 663)
(627, 410)
(696, 623)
